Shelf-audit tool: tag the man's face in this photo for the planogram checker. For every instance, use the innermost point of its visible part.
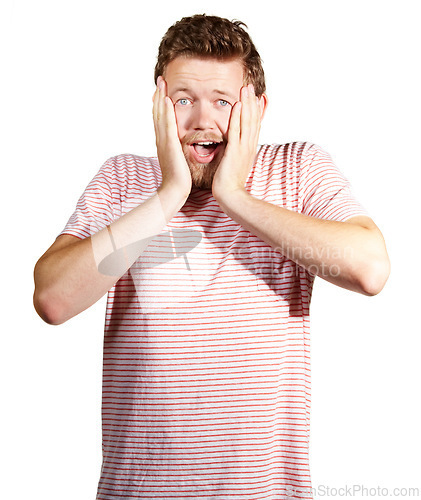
(203, 92)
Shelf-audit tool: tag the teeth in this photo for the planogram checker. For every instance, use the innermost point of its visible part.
(205, 143)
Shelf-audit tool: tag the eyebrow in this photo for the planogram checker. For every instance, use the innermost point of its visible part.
(181, 89)
(215, 91)
(226, 94)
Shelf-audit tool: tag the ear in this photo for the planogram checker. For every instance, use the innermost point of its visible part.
(263, 103)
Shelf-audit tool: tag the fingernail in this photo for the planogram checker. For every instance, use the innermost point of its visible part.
(245, 91)
(251, 88)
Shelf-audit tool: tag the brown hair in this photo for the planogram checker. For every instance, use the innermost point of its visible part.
(213, 37)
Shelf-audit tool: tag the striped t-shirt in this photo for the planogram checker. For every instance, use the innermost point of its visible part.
(206, 374)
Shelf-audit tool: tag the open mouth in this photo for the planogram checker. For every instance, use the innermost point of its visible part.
(205, 148)
(205, 151)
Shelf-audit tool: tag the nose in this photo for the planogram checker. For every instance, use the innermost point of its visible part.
(202, 117)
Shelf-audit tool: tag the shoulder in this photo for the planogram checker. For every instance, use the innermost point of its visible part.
(132, 179)
(131, 170)
(129, 162)
(291, 152)
(284, 165)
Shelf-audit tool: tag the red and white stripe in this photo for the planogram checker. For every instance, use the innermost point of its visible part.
(206, 381)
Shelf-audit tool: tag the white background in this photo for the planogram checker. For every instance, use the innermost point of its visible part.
(76, 89)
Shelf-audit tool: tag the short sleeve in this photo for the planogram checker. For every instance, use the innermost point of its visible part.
(94, 210)
(324, 192)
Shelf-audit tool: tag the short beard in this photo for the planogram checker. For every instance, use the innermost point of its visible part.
(202, 174)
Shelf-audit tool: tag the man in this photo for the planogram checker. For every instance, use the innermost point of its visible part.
(209, 257)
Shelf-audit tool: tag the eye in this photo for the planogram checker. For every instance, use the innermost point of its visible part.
(223, 103)
(183, 101)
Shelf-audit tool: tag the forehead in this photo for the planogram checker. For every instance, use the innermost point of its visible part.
(197, 73)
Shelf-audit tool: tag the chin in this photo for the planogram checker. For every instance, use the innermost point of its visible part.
(202, 174)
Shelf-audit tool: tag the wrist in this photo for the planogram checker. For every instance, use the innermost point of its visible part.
(230, 199)
(172, 197)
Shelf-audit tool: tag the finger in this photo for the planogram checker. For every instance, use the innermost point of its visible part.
(171, 121)
(156, 88)
(258, 119)
(235, 123)
(156, 95)
(161, 100)
(159, 110)
(160, 104)
(254, 125)
(167, 108)
(156, 111)
(245, 113)
(253, 103)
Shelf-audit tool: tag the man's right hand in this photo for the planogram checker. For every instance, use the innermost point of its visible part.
(68, 278)
(175, 171)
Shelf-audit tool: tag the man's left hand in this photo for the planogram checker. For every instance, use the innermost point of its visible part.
(240, 152)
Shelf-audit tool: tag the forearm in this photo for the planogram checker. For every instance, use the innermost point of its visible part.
(70, 278)
(349, 254)
(72, 275)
